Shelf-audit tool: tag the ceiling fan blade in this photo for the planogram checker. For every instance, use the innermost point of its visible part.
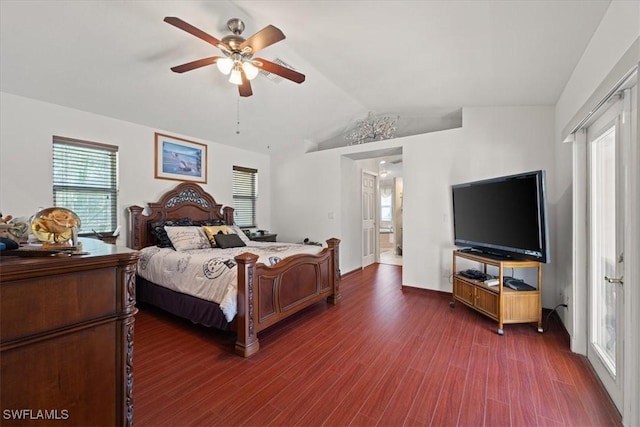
(195, 64)
(179, 23)
(245, 87)
(285, 72)
(263, 38)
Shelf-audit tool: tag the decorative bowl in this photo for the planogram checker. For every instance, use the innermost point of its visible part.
(55, 227)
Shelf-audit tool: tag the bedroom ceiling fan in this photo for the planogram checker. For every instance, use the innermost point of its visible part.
(238, 61)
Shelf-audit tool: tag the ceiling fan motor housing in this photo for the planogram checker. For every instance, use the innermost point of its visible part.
(233, 42)
(236, 26)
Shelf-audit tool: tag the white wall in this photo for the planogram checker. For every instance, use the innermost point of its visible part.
(492, 142)
(303, 206)
(26, 131)
(351, 227)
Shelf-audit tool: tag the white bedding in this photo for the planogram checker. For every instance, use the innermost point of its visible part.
(210, 274)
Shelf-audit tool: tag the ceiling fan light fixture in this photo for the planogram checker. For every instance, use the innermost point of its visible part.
(250, 70)
(237, 62)
(225, 65)
(236, 76)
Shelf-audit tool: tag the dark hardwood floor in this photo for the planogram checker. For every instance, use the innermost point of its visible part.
(383, 356)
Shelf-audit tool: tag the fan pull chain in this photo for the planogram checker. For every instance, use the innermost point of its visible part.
(238, 118)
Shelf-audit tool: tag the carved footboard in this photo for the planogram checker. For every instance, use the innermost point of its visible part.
(268, 294)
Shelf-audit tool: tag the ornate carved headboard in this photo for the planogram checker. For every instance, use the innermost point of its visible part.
(185, 200)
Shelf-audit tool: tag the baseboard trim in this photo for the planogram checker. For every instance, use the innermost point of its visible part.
(343, 275)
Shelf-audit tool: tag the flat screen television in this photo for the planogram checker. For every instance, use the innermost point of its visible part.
(504, 217)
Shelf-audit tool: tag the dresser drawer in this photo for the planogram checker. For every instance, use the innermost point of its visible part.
(33, 306)
(76, 373)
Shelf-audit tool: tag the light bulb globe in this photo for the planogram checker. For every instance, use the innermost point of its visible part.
(235, 77)
(250, 70)
(225, 65)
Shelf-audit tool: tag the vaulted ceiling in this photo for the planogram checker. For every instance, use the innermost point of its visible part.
(420, 60)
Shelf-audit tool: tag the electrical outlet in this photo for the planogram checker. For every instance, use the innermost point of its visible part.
(446, 272)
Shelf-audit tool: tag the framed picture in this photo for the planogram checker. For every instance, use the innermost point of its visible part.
(180, 159)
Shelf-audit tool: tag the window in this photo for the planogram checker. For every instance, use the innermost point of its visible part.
(386, 203)
(85, 181)
(245, 194)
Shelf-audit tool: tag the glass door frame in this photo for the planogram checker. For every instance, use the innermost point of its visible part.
(610, 372)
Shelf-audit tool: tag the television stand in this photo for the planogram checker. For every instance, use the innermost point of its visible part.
(500, 303)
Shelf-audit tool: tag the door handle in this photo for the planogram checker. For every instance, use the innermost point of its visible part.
(614, 280)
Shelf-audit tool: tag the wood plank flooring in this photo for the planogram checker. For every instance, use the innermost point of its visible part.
(383, 356)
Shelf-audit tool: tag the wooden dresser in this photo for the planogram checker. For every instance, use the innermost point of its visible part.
(66, 337)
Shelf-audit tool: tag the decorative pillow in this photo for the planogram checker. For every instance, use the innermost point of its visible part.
(234, 229)
(212, 230)
(185, 238)
(225, 241)
(157, 229)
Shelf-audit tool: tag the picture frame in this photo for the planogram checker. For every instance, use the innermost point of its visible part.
(179, 159)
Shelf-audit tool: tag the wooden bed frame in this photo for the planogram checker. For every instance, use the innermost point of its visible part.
(266, 294)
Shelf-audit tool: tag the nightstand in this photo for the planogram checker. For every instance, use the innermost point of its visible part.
(308, 242)
(266, 237)
(107, 239)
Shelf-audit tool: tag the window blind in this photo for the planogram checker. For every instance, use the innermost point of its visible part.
(245, 194)
(85, 181)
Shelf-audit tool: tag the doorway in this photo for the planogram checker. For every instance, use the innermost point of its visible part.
(380, 174)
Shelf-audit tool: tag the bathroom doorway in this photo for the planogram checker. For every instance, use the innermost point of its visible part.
(390, 198)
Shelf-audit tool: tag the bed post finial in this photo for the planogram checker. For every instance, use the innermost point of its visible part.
(227, 213)
(247, 341)
(334, 244)
(135, 212)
